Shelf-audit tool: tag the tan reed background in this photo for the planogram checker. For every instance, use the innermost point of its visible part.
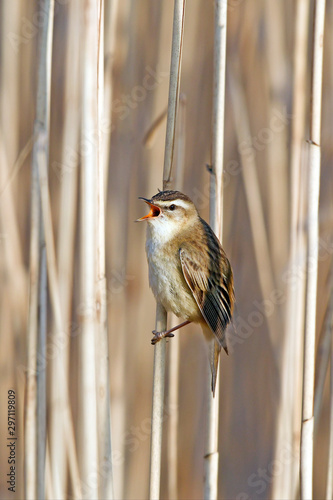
(260, 391)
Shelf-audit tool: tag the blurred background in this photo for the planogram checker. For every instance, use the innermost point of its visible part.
(266, 128)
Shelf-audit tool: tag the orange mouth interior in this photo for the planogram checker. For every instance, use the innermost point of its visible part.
(154, 212)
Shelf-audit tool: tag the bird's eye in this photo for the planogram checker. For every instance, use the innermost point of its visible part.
(172, 207)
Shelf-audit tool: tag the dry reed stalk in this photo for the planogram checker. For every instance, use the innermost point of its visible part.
(11, 16)
(102, 349)
(11, 161)
(254, 201)
(329, 484)
(326, 347)
(117, 255)
(42, 161)
(14, 308)
(13, 256)
(157, 408)
(173, 382)
(111, 15)
(119, 371)
(88, 247)
(306, 463)
(216, 221)
(289, 409)
(277, 148)
(322, 361)
(60, 406)
(173, 405)
(41, 373)
(30, 417)
(49, 492)
(35, 417)
(72, 460)
(61, 434)
(161, 315)
(175, 71)
(111, 12)
(25, 151)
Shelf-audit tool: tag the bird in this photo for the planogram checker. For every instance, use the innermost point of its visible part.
(189, 272)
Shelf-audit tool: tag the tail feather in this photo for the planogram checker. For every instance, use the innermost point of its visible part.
(215, 350)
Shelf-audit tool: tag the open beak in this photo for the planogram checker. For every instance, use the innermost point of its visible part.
(154, 211)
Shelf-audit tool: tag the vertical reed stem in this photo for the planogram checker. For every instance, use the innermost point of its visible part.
(289, 411)
(161, 315)
(312, 254)
(90, 159)
(62, 447)
(173, 384)
(35, 416)
(103, 383)
(157, 409)
(216, 222)
(329, 484)
(175, 70)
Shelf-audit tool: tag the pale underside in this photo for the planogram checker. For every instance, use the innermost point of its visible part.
(190, 276)
(184, 279)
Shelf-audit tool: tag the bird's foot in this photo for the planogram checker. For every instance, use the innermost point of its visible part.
(159, 336)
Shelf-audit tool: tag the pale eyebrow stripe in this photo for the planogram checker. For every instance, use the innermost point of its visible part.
(179, 203)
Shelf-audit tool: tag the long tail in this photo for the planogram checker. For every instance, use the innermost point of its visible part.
(214, 355)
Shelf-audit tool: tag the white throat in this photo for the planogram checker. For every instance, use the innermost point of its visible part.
(160, 231)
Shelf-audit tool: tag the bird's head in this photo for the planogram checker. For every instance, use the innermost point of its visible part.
(171, 212)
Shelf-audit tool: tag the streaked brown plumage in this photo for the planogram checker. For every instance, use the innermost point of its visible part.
(189, 272)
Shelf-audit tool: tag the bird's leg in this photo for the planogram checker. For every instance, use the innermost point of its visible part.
(161, 335)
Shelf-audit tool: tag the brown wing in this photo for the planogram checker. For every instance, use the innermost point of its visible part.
(209, 277)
